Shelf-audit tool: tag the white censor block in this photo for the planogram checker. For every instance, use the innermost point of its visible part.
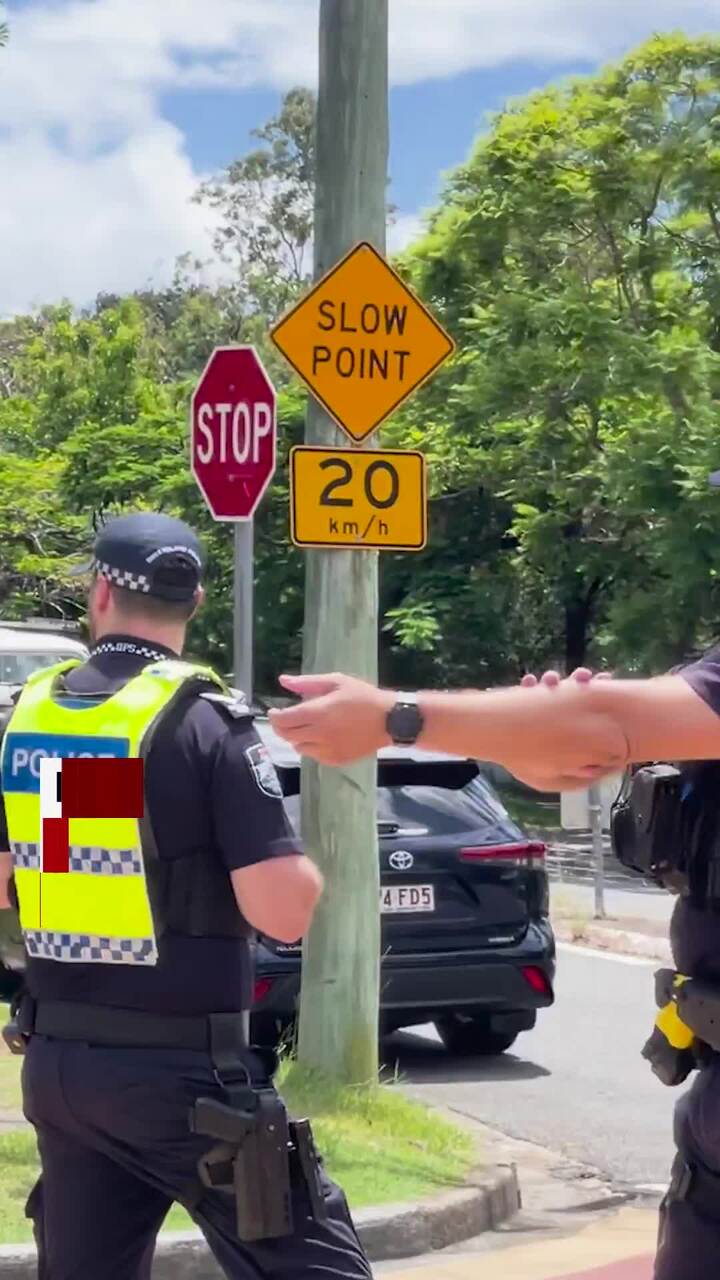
(50, 805)
(232, 431)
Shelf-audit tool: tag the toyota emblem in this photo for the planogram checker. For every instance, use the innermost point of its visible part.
(401, 860)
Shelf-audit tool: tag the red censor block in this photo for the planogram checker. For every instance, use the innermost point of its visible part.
(102, 789)
(56, 845)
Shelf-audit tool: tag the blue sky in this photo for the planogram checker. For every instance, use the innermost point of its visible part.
(112, 112)
(453, 111)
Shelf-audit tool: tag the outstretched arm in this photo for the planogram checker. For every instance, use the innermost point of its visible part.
(555, 737)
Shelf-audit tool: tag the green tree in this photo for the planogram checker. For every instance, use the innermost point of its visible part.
(37, 533)
(265, 206)
(91, 426)
(576, 258)
(188, 319)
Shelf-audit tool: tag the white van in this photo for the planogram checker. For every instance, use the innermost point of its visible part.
(23, 649)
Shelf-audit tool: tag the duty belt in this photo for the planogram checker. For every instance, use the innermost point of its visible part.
(222, 1035)
(698, 1185)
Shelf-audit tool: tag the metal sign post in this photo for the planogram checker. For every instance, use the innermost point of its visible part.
(243, 606)
(595, 810)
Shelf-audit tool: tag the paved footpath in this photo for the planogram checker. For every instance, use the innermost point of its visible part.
(617, 1248)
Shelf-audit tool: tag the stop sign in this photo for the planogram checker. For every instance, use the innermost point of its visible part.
(233, 432)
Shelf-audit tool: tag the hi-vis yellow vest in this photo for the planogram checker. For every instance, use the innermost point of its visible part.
(100, 910)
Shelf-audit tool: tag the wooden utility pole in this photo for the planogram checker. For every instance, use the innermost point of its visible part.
(341, 955)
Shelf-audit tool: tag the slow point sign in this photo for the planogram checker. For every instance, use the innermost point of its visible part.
(358, 498)
(362, 341)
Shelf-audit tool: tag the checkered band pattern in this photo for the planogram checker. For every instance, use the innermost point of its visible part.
(106, 862)
(25, 855)
(126, 646)
(123, 577)
(83, 948)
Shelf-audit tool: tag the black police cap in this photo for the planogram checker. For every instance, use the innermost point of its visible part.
(150, 553)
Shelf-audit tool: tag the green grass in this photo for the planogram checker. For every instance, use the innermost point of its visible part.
(380, 1145)
(376, 1142)
(530, 811)
(18, 1171)
(566, 913)
(9, 1074)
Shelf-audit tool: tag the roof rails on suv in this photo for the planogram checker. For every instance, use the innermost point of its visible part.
(60, 626)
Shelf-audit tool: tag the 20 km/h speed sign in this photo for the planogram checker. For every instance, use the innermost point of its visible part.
(359, 498)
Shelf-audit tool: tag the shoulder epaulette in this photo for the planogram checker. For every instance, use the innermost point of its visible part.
(236, 707)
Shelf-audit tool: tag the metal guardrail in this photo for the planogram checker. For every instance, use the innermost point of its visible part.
(569, 859)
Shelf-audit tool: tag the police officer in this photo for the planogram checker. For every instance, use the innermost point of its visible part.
(137, 1075)
(559, 735)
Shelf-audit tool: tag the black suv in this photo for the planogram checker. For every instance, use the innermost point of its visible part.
(466, 939)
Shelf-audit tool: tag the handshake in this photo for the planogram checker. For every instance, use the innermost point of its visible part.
(548, 732)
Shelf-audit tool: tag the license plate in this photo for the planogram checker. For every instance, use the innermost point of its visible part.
(407, 897)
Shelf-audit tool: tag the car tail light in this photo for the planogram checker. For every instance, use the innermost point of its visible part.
(537, 979)
(526, 854)
(261, 988)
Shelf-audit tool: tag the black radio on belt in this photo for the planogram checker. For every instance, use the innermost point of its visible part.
(665, 825)
(646, 822)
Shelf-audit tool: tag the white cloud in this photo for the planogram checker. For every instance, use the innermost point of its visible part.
(97, 186)
(439, 38)
(406, 228)
(73, 225)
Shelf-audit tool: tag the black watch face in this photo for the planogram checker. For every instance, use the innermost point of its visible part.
(404, 723)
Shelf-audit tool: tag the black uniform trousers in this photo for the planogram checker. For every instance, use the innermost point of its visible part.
(689, 1237)
(116, 1150)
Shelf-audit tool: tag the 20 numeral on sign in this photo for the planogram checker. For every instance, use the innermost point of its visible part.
(346, 478)
(358, 498)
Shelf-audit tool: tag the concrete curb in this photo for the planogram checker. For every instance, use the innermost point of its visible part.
(396, 1231)
(623, 941)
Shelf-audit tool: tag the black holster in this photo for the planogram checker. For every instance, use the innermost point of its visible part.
(251, 1160)
(257, 1151)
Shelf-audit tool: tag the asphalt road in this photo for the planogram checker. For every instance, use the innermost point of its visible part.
(576, 1083)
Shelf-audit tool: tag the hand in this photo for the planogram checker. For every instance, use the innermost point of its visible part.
(551, 679)
(341, 718)
(547, 780)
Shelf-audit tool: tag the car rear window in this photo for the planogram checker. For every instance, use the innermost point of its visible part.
(430, 807)
(16, 667)
(438, 809)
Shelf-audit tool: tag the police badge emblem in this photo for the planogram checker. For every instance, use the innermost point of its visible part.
(263, 771)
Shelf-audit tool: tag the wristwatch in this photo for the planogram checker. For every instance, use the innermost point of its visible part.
(405, 721)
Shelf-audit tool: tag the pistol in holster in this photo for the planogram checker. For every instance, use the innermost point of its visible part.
(252, 1160)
